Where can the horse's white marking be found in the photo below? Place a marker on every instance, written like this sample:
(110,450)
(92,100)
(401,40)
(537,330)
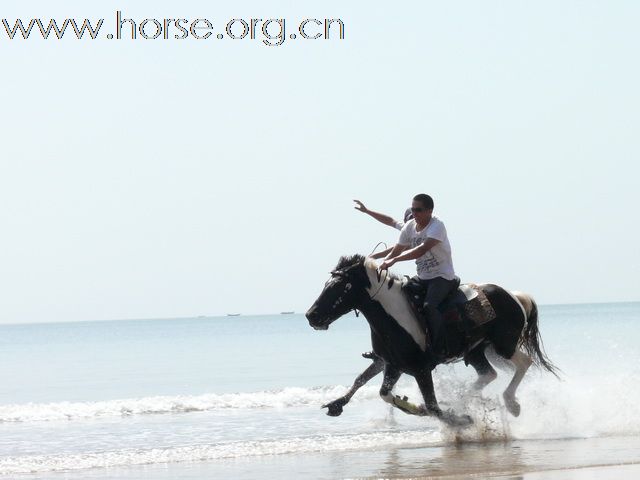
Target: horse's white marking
(517,300)
(522,362)
(394,303)
(524,312)
(526,303)
(485,379)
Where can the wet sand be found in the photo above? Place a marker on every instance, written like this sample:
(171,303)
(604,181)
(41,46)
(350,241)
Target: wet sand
(610,472)
(611,458)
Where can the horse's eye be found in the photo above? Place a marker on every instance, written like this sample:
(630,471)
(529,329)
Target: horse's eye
(347,287)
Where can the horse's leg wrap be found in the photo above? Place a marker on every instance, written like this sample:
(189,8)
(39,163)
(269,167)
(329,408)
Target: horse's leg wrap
(406,406)
(391,376)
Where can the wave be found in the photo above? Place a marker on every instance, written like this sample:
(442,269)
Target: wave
(192,453)
(551,410)
(599,404)
(284,398)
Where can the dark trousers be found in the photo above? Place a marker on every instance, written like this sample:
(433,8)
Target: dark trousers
(436,290)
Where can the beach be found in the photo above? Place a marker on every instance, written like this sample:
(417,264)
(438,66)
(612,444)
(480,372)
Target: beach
(583,459)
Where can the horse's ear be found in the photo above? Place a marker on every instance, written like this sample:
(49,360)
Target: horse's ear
(347,271)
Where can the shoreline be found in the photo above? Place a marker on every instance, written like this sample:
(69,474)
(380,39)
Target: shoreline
(592,458)
(610,471)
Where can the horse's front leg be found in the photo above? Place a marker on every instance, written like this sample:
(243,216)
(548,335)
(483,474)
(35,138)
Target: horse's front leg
(431,407)
(391,376)
(335,407)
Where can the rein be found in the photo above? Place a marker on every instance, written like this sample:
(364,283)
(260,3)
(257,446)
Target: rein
(379,276)
(377,245)
(378,273)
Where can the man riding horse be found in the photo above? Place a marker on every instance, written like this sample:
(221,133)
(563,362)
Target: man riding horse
(424,239)
(497,320)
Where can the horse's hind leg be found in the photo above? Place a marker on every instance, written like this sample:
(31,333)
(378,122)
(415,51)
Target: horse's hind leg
(486,373)
(522,362)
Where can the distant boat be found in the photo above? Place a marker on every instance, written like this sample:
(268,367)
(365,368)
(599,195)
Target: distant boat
(287,313)
(232,314)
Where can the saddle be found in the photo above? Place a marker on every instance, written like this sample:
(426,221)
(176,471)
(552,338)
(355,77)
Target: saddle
(464,311)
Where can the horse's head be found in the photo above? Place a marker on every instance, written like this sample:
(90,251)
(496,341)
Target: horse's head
(341,293)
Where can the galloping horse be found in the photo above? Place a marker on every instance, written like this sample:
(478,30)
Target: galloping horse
(400,343)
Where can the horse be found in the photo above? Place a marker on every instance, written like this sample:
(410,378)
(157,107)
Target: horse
(400,343)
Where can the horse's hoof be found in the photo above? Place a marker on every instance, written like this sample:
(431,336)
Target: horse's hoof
(454,420)
(513,407)
(465,420)
(334,409)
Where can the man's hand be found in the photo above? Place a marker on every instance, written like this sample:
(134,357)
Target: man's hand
(387,264)
(381,217)
(360,206)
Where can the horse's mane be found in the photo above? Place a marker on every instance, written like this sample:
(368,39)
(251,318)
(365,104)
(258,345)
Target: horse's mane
(349,261)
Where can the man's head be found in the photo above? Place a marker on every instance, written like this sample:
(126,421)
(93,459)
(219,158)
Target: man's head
(422,208)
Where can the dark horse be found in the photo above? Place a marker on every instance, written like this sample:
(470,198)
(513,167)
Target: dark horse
(400,343)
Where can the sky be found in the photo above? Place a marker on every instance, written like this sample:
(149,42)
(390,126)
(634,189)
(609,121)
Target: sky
(173,178)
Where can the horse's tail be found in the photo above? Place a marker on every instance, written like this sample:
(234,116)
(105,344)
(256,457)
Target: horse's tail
(532,342)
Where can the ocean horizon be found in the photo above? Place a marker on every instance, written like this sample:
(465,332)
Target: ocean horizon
(225,315)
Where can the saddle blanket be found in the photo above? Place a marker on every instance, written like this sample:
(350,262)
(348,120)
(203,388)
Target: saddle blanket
(468,305)
(479,310)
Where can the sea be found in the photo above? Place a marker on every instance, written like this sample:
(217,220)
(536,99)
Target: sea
(241,397)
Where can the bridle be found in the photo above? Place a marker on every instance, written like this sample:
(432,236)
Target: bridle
(379,276)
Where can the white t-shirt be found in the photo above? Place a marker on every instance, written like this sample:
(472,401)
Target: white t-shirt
(437,262)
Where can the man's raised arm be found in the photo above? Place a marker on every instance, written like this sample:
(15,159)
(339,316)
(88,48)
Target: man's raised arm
(381,217)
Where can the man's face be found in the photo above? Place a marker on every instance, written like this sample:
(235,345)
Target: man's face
(420,213)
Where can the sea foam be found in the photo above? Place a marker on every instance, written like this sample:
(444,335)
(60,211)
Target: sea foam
(191,453)
(284,398)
